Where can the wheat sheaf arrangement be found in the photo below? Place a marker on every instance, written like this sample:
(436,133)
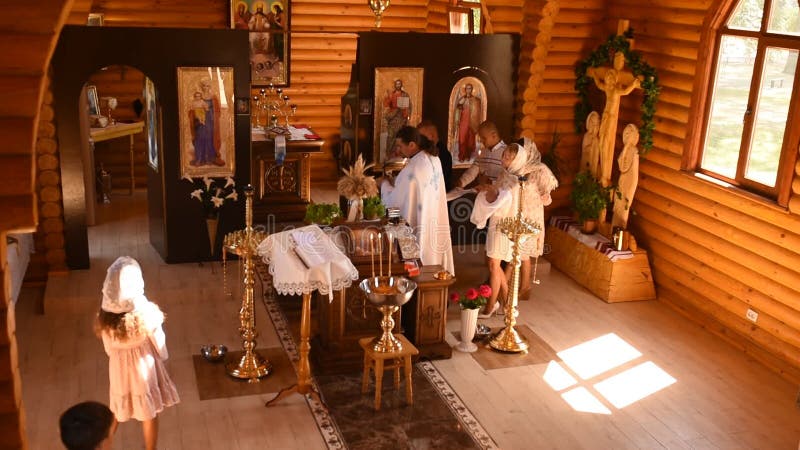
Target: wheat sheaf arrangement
(355,184)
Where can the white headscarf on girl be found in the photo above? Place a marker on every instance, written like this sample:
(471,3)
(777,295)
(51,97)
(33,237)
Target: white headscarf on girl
(525,161)
(123,289)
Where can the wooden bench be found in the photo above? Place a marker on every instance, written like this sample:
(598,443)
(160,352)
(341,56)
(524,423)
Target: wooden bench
(613,281)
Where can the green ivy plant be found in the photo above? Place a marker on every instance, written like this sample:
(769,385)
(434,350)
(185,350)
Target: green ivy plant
(373,208)
(322,213)
(603,55)
(589,197)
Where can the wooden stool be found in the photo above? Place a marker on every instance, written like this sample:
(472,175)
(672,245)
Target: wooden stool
(375,361)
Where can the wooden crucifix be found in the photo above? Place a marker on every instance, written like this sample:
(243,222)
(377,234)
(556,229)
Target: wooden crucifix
(615,82)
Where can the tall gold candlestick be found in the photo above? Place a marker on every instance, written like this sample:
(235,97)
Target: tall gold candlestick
(518,229)
(251,366)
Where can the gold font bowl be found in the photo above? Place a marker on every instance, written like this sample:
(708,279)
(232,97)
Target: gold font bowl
(388,291)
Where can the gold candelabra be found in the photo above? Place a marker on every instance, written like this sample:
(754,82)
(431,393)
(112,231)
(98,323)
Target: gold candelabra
(378,7)
(272,103)
(518,229)
(244,243)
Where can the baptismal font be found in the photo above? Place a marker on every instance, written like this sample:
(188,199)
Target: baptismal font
(251,366)
(518,229)
(388,293)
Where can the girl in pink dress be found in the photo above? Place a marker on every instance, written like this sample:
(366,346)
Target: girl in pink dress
(130,327)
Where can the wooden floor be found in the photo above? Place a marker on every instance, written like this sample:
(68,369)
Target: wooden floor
(637,374)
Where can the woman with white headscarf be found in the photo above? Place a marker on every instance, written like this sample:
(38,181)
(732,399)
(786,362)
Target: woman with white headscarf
(501,200)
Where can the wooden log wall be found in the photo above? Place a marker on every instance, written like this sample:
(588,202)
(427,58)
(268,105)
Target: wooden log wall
(556,34)
(30,31)
(79,12)
(714,252)
(437,16)
(50,256)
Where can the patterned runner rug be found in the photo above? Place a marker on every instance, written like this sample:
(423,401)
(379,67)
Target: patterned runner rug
(437,419)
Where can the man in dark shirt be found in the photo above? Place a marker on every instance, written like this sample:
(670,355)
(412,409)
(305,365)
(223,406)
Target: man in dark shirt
(428,129)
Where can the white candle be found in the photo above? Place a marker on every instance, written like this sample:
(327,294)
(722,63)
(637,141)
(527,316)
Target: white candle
(380,255)
(372,253)
(389,259)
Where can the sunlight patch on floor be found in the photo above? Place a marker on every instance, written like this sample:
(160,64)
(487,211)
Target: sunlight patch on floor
(582,400)
(557,377)
(634,384)
(589,361)
(599,355)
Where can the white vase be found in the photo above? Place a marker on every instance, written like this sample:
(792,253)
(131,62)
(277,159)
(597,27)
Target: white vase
(355,210)
(469,321)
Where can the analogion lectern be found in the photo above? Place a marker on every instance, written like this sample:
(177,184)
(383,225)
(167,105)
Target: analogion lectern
(302,261)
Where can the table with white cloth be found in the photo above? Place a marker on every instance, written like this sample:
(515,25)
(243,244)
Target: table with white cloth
(351,316)
(301,261)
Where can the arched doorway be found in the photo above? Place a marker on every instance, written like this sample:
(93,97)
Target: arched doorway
(173,226)
(119,121)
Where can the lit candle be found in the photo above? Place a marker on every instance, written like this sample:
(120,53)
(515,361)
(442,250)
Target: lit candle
(372,253)
(380,255)
(389,259)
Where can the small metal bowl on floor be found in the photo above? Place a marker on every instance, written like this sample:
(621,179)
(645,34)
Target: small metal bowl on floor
(482,332)
(213,353)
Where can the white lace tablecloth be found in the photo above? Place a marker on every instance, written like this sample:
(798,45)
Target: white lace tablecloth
(305,259)
(409,247)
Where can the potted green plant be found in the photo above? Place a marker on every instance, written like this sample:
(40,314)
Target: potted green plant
(589,199)
(373,208)
(322,213)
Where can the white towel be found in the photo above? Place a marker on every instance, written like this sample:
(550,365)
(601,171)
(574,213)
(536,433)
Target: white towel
(483,210)
(304,260)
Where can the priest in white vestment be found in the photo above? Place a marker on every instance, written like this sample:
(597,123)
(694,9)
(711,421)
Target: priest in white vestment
(418,191)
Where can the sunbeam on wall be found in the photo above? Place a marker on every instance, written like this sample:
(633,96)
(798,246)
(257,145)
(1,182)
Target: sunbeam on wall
(603,363)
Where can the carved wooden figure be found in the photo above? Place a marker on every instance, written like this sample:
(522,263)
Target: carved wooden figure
(590,148)
(628,162)
(615,83)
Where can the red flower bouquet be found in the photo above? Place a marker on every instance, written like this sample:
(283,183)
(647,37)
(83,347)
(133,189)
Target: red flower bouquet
(472,298)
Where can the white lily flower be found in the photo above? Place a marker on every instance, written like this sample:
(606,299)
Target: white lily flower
(208,182)
(229,182)
(217,201)
(233,195)
(198,194)
(187,178)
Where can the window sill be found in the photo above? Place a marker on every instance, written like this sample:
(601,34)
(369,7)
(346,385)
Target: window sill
(738,192)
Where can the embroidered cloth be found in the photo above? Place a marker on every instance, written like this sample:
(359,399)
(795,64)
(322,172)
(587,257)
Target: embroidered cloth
(597,241)
(305,259)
